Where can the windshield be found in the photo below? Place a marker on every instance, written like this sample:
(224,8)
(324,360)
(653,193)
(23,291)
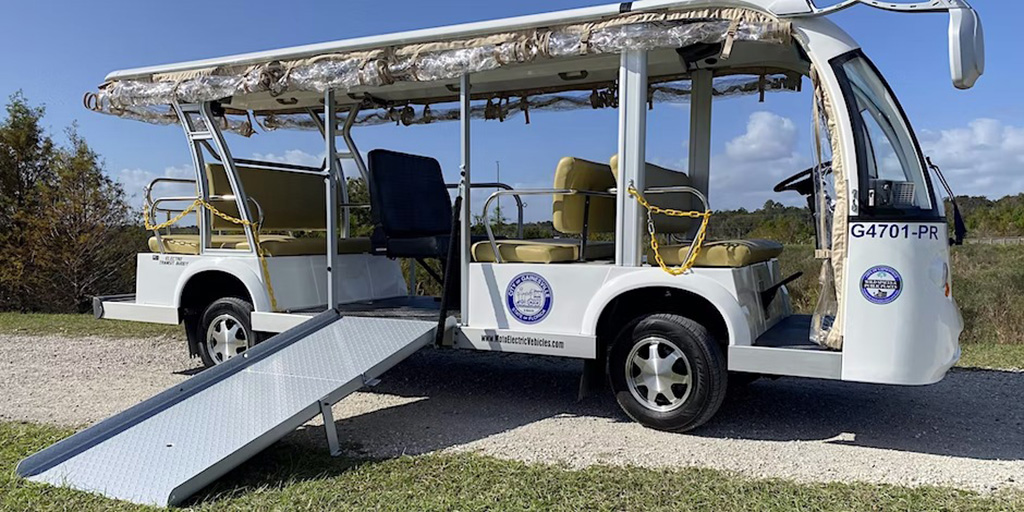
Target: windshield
(892,175)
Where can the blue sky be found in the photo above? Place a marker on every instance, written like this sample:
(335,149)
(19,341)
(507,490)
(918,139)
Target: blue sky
(55,52)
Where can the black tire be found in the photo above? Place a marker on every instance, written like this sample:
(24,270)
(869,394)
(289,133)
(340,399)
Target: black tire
(230,317)
(693,352)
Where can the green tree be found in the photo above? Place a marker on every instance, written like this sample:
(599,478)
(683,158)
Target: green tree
(85,235)
(25,153)
(66,231)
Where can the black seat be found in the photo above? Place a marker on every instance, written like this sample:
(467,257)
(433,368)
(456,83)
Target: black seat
(410,205)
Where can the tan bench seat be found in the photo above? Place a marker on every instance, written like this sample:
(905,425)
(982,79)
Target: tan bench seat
(541,251)
(570,212)
(273,245)
(308,246)
(189,244)
(724,254)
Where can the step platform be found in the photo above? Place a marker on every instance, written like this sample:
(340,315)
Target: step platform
(168,447)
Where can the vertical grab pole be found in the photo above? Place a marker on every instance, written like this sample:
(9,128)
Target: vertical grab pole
(353,152)
(230,171)
(700,129)
(331,196)
(632,155)
(203,221)
(464,186)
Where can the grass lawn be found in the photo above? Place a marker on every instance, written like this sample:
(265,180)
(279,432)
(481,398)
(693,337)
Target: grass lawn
(290,476)
(82,325)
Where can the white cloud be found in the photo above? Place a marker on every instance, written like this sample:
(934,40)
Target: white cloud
(754,162)
(769,137)
(984,158)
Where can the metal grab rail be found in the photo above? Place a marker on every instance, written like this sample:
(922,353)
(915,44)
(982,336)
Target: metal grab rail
(148,189)
(503,186)
(675,189)
(538,192)
(672,189)
(224,198)
(155,207)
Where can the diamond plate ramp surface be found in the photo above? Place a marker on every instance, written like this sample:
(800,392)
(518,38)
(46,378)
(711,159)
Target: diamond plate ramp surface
(165,449)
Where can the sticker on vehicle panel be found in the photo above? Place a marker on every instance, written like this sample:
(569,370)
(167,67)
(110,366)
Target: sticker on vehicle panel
(881,285)
(529,297)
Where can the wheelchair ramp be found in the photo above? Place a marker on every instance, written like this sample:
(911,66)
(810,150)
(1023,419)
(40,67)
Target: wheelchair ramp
(165,449)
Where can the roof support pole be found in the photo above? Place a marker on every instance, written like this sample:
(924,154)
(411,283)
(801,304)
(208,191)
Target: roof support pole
(346,223)
(331,181)
(195,139)
(632,156)
(699,166)
(464,191)
(209,130)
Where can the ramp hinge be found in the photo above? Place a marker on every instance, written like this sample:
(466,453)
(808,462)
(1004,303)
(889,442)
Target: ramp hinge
(370,382)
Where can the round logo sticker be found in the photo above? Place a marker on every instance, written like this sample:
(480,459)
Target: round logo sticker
(881,284)
(529,297)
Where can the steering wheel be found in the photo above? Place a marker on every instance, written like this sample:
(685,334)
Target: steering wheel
(801,182)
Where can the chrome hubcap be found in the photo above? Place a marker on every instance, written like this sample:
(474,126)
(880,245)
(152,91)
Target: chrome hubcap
(658,374)
(225,338)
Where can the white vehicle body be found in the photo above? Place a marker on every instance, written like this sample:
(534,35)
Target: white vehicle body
(912,340)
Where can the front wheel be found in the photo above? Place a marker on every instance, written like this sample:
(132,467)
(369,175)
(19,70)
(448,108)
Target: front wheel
(667,372)
(224,331)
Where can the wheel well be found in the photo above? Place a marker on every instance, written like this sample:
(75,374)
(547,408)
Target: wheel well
(200,291)
(659,299)
(205,287)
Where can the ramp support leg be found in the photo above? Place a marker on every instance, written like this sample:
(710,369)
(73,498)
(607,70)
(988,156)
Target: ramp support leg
(330,428)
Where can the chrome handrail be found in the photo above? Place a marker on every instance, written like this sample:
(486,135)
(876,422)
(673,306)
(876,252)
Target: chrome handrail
(503,186)
(224,198)
(148,189)
(529,192)
(675,189)
(154,207)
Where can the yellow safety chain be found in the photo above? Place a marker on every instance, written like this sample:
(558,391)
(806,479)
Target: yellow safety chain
(255,236)
(697,243)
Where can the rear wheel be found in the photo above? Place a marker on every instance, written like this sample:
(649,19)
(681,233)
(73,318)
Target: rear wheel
(224,331)
(667,372)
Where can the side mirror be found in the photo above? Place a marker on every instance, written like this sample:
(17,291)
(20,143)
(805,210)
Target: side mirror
(966,47)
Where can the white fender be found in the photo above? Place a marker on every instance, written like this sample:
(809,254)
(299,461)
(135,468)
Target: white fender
(233,266)
(727,305)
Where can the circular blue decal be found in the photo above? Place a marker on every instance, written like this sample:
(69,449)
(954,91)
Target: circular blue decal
(881,284)
(529,297)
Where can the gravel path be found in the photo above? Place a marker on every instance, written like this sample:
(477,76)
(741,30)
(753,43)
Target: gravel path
(967,431)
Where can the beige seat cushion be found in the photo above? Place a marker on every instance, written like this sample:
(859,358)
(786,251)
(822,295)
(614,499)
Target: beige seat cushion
(541,251)
(273,245)
(526,251)
(724,254)
(189,244)
(567,210)
(308,246)
(655,176)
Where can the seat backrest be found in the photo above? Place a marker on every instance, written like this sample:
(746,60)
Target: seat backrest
(289,201)
(408,197)
(655,176)
(567,210)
